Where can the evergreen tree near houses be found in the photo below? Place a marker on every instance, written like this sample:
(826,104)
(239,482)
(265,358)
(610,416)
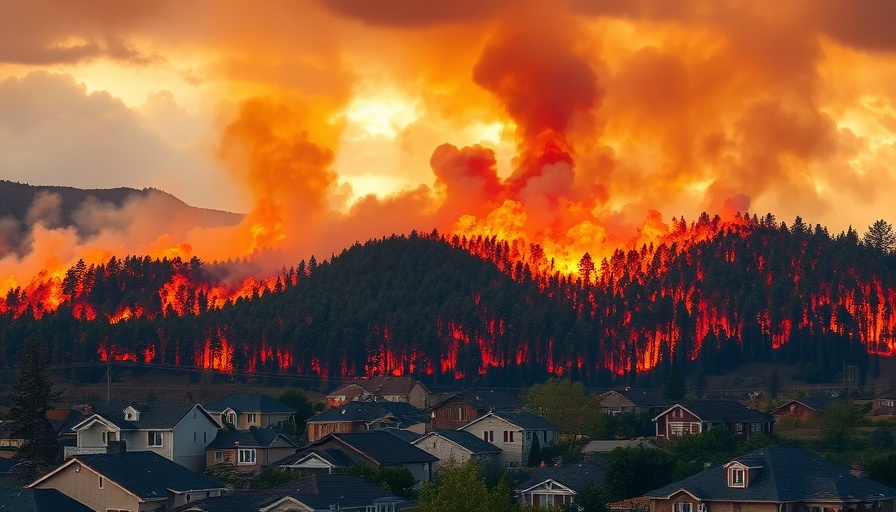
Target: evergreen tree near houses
(33,396)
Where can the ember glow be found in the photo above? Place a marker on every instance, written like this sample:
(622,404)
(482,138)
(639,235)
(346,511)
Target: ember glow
(563,128)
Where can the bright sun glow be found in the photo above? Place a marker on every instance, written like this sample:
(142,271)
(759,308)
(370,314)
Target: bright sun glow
(381,116)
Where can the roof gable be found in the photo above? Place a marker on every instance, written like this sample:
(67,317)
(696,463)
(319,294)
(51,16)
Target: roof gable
(573,477)
(788,475)
(463,440)
(523,420)
(720,411)
(147,475)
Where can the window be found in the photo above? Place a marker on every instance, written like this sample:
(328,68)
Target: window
(250,418)
(205,437)
(545,436)
(508,436)
(737,477)
(105,437)
(459,414)
(739,428)
(247,456)
(219,456)
(101,482)
(756,427)
(684,507)
(230,418)
(488,436)
(528,435)
(154,439)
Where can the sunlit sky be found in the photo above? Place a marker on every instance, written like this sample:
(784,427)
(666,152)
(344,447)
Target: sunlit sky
(562,123)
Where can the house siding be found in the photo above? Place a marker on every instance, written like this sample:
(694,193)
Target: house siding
(513,453)
(444,449)
(884,406)
(448,416)
(190,437)
(81,483)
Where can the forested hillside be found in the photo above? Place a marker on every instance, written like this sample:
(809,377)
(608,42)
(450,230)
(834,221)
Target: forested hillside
(707,297)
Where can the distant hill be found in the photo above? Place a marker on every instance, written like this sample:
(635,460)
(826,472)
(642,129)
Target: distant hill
(17,198)
(446,308)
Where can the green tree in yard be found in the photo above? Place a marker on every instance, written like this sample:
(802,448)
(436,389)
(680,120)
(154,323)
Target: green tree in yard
(633,471)
(837,423)
(33,396)
(461,488)
(882,469)
(398,480)
(296,399)
(568,405)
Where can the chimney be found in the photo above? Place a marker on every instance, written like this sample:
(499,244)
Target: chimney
(116,446)
(857,469)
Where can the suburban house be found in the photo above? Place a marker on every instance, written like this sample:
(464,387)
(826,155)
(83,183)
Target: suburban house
(249,450)
(633,401)
(178,432)
(885,403)
(244,410)
(456,445)
(456,410)
(359,416)
(514,432)
(802,407)
(773,479)
(550,486)
(371,447)
(61,421)
(382,388)
(134,481)
(341,492)
(39,500)
(701,415)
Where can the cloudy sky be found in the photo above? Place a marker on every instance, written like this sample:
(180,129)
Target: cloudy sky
(575,124)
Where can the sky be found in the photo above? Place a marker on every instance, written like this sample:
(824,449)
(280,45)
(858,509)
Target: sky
(579,125)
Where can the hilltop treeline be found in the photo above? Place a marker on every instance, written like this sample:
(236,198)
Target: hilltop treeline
(705,298)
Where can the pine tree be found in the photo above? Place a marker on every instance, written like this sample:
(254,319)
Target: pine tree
(34,393)
(880,237)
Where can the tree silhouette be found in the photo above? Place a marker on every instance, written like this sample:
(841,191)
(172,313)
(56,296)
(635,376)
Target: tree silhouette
(880,237)
(34,393)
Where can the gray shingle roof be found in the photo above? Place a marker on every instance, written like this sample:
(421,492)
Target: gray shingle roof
(787,474)
(523,419)
(575,476)
(255,437)
(159,415)
(642,398)
(249,402)
(146,474)
(725,411)
(404,413)
(318,492)
(485,399)
(466,440)
(38,500)
(382,448)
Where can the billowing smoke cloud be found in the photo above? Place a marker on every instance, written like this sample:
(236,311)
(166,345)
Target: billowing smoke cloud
(577,125)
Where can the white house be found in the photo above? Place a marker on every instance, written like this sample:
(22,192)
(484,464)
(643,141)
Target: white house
(514,432)
(178,432)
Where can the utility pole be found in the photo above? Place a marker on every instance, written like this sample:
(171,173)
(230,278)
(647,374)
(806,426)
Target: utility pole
(108,381)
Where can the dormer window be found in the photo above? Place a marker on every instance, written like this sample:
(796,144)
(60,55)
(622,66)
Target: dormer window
(737,477)
(740,474)
(131,414)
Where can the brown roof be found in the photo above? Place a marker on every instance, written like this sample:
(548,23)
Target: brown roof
(386,384)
